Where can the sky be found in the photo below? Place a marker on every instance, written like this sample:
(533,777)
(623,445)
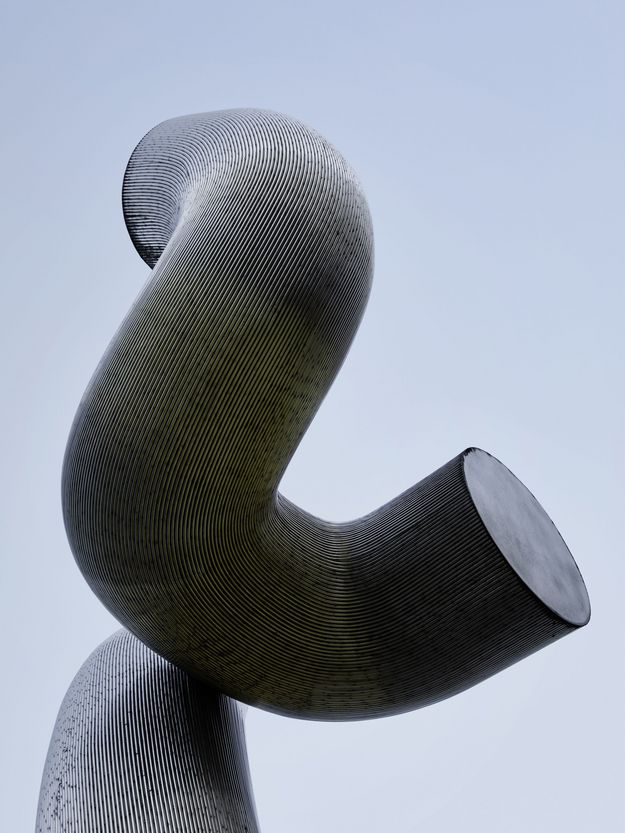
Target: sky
(489,140)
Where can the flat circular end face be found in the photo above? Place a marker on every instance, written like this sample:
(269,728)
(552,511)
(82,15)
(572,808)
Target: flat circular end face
(526,537)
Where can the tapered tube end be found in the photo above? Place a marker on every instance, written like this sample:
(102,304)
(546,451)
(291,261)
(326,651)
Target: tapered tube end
(526,537)
(140,746)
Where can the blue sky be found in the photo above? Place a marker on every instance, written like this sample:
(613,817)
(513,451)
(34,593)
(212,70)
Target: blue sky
(489,139)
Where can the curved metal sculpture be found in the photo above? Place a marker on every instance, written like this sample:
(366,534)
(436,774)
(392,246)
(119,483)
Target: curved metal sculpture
(261,243)
(138,746)
(262,248)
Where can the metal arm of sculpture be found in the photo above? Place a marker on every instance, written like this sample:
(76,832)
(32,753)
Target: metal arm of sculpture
(261,245)
(139,747)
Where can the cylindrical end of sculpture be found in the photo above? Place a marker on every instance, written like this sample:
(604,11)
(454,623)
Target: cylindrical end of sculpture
(526,537)
(468,576)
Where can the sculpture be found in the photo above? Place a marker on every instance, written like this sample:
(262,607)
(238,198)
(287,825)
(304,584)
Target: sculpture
(261,245)
(139,746)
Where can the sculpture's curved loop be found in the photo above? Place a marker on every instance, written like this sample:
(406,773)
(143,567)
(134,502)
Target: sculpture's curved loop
(261,243)
(139,746)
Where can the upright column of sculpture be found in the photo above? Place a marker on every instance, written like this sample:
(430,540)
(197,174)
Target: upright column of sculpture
(261,245)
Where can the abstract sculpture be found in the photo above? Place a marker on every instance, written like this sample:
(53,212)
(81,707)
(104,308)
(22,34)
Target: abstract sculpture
(261,245)
(139,746)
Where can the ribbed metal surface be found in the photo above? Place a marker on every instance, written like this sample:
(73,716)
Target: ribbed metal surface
(261,243)
(139,747)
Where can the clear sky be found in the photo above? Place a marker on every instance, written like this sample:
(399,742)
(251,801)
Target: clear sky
(489,138)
